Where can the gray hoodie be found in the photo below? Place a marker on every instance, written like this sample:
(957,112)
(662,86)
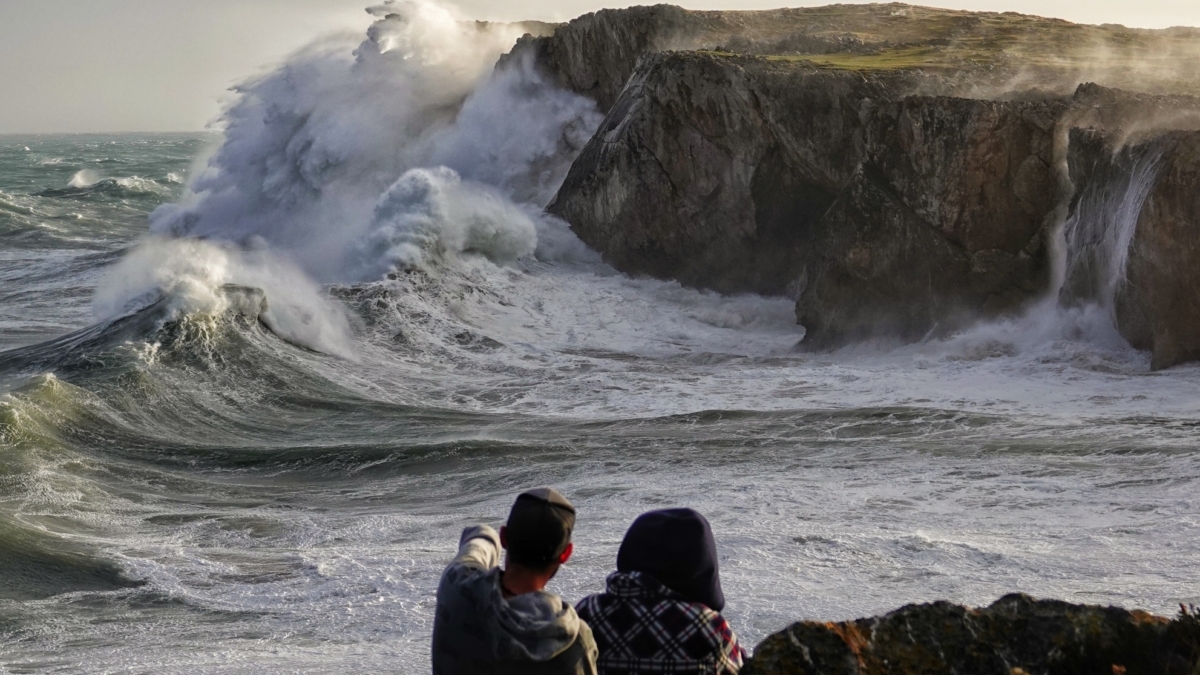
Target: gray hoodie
(477,632)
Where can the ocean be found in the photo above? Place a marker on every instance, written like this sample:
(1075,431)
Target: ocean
(254,382)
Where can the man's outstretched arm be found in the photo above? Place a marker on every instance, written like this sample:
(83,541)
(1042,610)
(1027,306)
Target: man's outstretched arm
(478,547)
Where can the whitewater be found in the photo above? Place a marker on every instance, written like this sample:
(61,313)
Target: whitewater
(254,382)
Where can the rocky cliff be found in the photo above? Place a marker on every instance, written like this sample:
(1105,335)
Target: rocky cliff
(881,164)
(885,214)
(1016,635)
(982,53)
(699,173)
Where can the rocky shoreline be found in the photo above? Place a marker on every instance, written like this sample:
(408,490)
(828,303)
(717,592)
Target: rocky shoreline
(1016,635)
(897,188)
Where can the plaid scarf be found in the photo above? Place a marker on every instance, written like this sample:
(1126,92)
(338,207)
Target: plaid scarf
(642,626)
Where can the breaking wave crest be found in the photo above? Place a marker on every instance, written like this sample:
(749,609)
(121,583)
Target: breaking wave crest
(87,184)
(352,162)
(192,277)
(356,161)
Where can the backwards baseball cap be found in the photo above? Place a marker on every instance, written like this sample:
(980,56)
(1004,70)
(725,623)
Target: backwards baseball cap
(539,527)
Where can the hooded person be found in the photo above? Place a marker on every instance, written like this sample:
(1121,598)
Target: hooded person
(661,610)
(493,621)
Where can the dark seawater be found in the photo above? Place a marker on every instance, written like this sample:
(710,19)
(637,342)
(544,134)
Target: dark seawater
(219,456)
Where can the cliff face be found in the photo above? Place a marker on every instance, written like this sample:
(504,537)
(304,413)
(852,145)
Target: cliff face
(1017,635)
(595,54)
(944,219)
(871,162)
(691,176)
(742,174)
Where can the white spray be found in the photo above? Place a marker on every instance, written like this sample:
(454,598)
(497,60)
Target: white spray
(350,161)
(1098,235)
(191,273)
(1089,259)
(310,148)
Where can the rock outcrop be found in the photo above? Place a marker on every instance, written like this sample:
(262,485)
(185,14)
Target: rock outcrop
(692,177)
(595,54)
(874,163)
(742,174)
(1016,635)
(945,218)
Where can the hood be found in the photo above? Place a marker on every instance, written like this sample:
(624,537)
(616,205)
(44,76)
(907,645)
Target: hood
(529,627)
(676,547)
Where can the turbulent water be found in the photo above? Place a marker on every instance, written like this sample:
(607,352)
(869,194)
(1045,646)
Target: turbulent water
(254,384)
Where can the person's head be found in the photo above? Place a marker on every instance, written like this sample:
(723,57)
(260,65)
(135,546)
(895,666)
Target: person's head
(537,536)
(676,547)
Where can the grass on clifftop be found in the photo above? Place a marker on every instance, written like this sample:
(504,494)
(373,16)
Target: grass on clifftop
(889,59)
(897,36)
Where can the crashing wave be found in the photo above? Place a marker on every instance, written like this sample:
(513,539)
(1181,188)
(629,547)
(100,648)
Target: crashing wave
(192,278)
(354,161)
(88,183)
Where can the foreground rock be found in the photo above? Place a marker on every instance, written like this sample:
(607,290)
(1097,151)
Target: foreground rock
(1017,635)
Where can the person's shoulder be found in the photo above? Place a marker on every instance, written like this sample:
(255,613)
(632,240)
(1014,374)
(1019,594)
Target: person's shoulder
(591,605)
(710,622)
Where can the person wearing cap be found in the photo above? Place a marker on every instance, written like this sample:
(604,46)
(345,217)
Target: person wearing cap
(493,621)
(661,610)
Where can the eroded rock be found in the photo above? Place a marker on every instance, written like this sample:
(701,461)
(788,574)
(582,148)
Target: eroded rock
(875,163)
(742,175)
(693,177)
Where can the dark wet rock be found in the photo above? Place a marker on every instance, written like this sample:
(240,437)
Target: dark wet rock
(595,54)
(1158,298)
(944,220)
(690,176)
(878,163)
(1017,635)
(879,269)
(746,175)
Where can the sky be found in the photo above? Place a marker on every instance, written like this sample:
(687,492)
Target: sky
(167,65)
